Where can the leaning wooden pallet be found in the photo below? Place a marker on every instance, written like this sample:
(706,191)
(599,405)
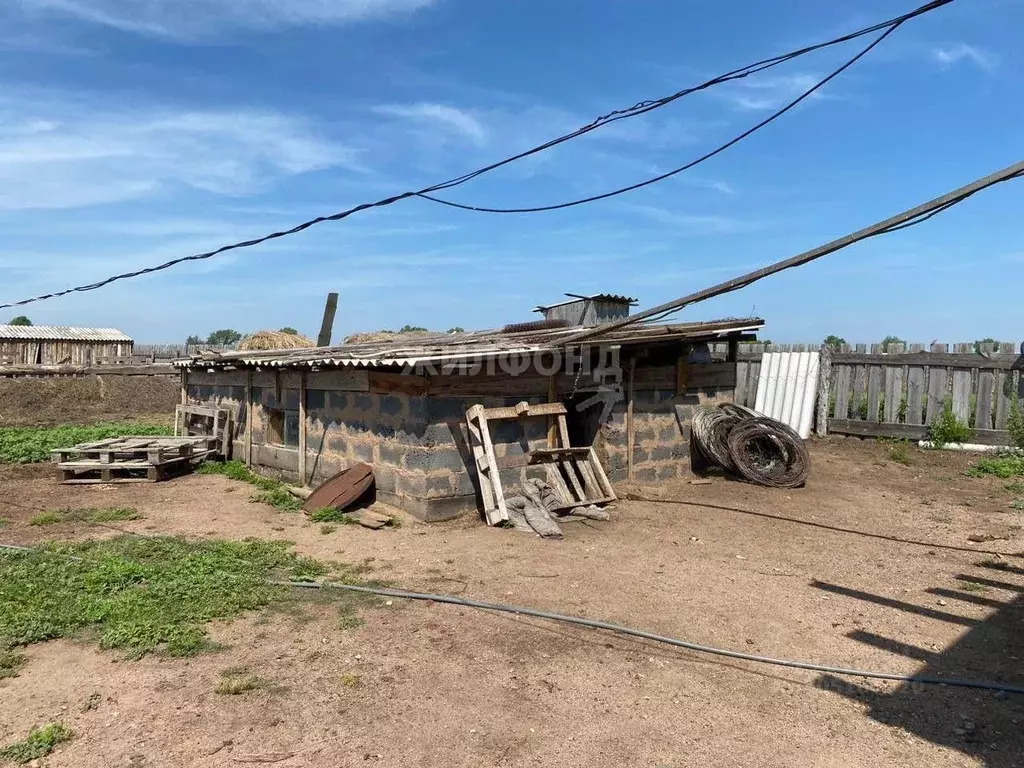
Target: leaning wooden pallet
(575,474)
(132,459)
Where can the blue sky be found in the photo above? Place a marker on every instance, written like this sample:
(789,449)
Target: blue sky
(134,131)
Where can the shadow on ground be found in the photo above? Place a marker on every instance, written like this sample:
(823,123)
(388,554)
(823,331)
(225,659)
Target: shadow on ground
(986,725)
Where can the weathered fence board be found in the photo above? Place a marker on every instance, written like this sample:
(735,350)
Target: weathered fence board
(983,408)
(915,395)
(842,409)
(962,395)
(893,392)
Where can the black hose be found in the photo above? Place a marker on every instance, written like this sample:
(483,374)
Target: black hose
(401,593)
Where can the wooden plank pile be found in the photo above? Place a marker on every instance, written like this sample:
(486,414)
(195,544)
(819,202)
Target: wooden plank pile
(575,474)
(132,459)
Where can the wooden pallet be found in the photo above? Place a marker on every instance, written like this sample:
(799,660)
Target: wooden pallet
(132,459)
(575,474)
(205,420)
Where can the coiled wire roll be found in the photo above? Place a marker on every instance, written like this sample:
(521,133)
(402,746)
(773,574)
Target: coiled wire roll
(759,449)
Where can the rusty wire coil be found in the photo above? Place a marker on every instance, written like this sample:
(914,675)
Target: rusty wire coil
(758,449)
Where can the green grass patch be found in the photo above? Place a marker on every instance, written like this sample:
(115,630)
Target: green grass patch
(278,498)
(1018,505)
(972,586)
(1015,487)
(947,428)
(1004,467)
(27,445)
(40,743)
(237,680)
(899,452)
(10,663)
(86,515)
(273,492)
(4,521)
(140,594)
(332,515)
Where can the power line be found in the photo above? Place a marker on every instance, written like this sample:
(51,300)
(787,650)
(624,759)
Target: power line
(636,110)
(675,171)
(895,223)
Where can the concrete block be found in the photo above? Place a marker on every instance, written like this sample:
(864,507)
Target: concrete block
(640,455)
(438,434)
(448,459)
(440,484)
(316,399)
(669,433)
(419,459)
(407,484)
(391,405)
(365,403)
(661,453)
(363,450)
(338,444)
(391,453)
(444,408)
(337,401)
(384,477)
(668,472)
(645,473)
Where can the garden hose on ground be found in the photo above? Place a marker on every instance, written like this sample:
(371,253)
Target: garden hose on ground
(401,593)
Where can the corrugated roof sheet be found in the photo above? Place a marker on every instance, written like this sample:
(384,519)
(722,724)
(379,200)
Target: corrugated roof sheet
(61,333)
(609,297)
(457,347)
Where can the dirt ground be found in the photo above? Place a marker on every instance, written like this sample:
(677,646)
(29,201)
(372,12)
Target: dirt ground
(87,400)
(859,569)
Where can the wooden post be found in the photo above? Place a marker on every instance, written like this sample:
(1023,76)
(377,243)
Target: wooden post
(302,427)
(552,421)
(248,417)
(734,351)
(327,325)
(824,389)
(630,430)
(184,386)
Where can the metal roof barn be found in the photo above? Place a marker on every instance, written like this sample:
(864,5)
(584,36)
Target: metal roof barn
(60,344)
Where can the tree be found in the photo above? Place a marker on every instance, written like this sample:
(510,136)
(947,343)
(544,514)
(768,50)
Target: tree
(225,337)
(979,342)
(835,343)
(411,329)
(289,330)
(457,329)
(193,341)
(889,341)
(20,320)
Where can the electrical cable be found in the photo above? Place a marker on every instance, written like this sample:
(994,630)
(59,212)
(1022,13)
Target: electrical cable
(593,624)
(675,171)
(640,108)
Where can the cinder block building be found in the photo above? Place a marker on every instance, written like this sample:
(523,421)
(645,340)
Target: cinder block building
(400,405)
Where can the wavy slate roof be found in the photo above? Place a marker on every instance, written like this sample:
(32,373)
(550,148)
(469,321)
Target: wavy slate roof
(61,333)
(456,347)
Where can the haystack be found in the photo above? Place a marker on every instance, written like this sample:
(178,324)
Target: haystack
(264,340)
(375,336)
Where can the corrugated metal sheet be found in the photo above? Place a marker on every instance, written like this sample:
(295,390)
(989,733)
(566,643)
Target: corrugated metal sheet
(787,388)
(61,333)
(466,347)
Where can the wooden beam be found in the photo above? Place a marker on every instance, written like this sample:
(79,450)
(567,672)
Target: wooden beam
(824,390)
(249,410)
(552,422)
(516,412)
(910,431)
(184,386)
(302,428)
(404,383)
(323,339)
(943,359)
(630,430)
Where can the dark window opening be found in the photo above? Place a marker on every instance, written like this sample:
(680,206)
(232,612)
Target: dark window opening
(583,418)
(283,427)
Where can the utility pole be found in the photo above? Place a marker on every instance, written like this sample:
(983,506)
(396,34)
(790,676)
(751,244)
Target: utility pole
(327,326)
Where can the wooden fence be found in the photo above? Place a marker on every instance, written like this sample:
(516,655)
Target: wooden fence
(899,393)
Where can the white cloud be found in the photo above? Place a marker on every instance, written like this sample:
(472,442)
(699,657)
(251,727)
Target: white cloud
(56,152)
(201,18)
(691,224)
(761,93)
(453,119)
(954,54)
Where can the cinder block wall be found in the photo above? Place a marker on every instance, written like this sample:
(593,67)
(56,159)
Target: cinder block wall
(661,446)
